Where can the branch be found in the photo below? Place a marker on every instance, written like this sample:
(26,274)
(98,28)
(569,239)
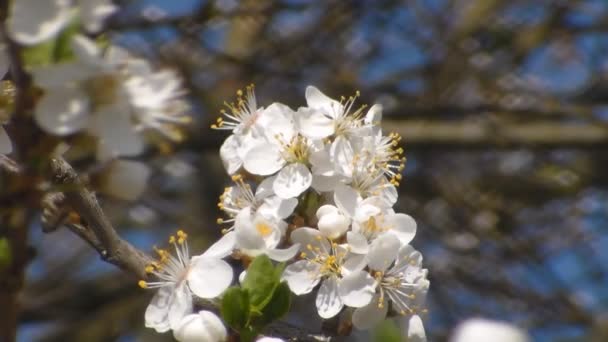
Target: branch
(102,235)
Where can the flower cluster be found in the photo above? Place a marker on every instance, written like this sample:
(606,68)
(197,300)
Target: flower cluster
(317,186)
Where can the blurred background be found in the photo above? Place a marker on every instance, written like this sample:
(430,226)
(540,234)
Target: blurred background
(503,109)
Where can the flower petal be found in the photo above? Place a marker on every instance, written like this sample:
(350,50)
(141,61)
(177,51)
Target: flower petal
(204,326)
(302,276)
(229,154)
(157,312)
(317,100)
(126,179)
(328,300)
(415,332)
(478,329)
(346,199)
(382,251)
(374,115)
(180,304)
(333,225)
(32,22)
(277,119)
(403,226)
(306,236)
(325,183)
(282,255)
(292,180)
(62,111)
(314,124)
(117,137)
(94,12)
(222,247)
(357,243)
(370,315)
(342,154)
(209,277)
(357,289)
(277,207)
(263,159)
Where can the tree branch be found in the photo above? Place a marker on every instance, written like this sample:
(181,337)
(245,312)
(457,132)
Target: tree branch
(102,234)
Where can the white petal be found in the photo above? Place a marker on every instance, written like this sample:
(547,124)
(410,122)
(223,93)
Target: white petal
(292,180)
(403,226)
(157,312)
(354,263)
(126,179)
(180,304)
(242,277)
(277,207)
(342,154)
(6,146)
(269,339)
(314,124)
(389,194)
(275,120)
(478,330)
(307,236)
(264,159)
(94,12)
(333,225)
(117,137)
(33,21)
(383,251)
(357,289)
(264,189)
(223,247)
(357,243)
(62,111)
(328,300)
(374,115)
(204,326)
(230,156)
(316,99)
(370,315)
(247,236)
(346,199)
(327,209)
(302,276)
(325,183)
(415,332)
(62,74)
(87,51)
(282,255)
(209,277)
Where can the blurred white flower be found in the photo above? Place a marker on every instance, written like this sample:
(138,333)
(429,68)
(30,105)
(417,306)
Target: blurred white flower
(32,22)
(112,95)
(203,326)
(178,277)
(125,179)
(481,330)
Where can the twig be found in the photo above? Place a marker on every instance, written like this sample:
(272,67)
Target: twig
(110,246)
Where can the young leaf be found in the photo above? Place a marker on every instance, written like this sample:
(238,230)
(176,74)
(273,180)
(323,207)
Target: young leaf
(261,281)
(387,331)
(235,308)
(277,307)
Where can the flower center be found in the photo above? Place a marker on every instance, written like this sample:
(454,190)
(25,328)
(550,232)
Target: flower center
(263,228)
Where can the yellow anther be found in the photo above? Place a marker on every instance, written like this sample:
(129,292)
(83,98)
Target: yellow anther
(219,221)
(149,269)
(142,284)
(303,255)
(171,239)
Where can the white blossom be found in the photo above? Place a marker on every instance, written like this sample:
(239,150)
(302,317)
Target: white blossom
(479,329)
(203,326)
(343,282)
(32,22)
(178,278)
(400,278)
(111,95)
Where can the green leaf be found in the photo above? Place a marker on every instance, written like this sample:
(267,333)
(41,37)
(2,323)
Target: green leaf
(55,50)
(235,308)
(6,255)
(261,280)
(387,331)
(277,307)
